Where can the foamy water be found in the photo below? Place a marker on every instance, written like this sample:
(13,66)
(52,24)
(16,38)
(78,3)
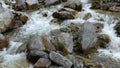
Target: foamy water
(37,24)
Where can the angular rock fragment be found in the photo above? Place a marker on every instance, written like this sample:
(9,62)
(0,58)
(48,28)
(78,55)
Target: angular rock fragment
(42,63)
(60,60)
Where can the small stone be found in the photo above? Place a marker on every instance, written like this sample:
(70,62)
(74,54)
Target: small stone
(117,28)
(42,63)
(24,19)
(20,5)
(60,60)
(4,42)
(87,16)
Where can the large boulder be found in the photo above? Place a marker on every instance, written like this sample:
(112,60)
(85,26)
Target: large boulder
(87,36)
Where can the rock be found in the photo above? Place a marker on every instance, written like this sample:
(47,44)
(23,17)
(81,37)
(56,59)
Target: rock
(34,55)
(60,60)
(117,28)
(103,40)
(87,16)
(42,63)
(63,42)
(32,4)
(4,42)
(95,5)
(51,2)
(65,14)
(114,9)
(20,5)
(23,18)
(78,63)
(7,1)
(74,4)
(41,43)
(98,27)
(6,17)
(1,8)
(87,36)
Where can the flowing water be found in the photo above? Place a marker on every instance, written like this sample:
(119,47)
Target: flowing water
(38,25)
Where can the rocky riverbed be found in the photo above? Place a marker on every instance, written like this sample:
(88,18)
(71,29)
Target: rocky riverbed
(59,34)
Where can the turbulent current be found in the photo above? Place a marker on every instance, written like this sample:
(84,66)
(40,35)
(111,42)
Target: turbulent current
(37,25)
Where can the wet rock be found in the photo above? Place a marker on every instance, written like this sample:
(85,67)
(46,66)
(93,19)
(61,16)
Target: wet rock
(60,60)
(4,42)
(32,4)
(117,28)
(51,2)
(87,36)
(63,42)
(87,16)
(95,5)
(20,5)
(65,14)
(74,4)
(114,9)
(103,40)
(98,27)
(42,63)
(34,55)
(23,18)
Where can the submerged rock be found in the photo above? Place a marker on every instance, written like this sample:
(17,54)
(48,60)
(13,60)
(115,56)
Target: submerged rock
(42,63)
(60,60)
(4,42)
(87,36)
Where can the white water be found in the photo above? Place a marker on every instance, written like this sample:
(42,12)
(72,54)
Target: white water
(37,24)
